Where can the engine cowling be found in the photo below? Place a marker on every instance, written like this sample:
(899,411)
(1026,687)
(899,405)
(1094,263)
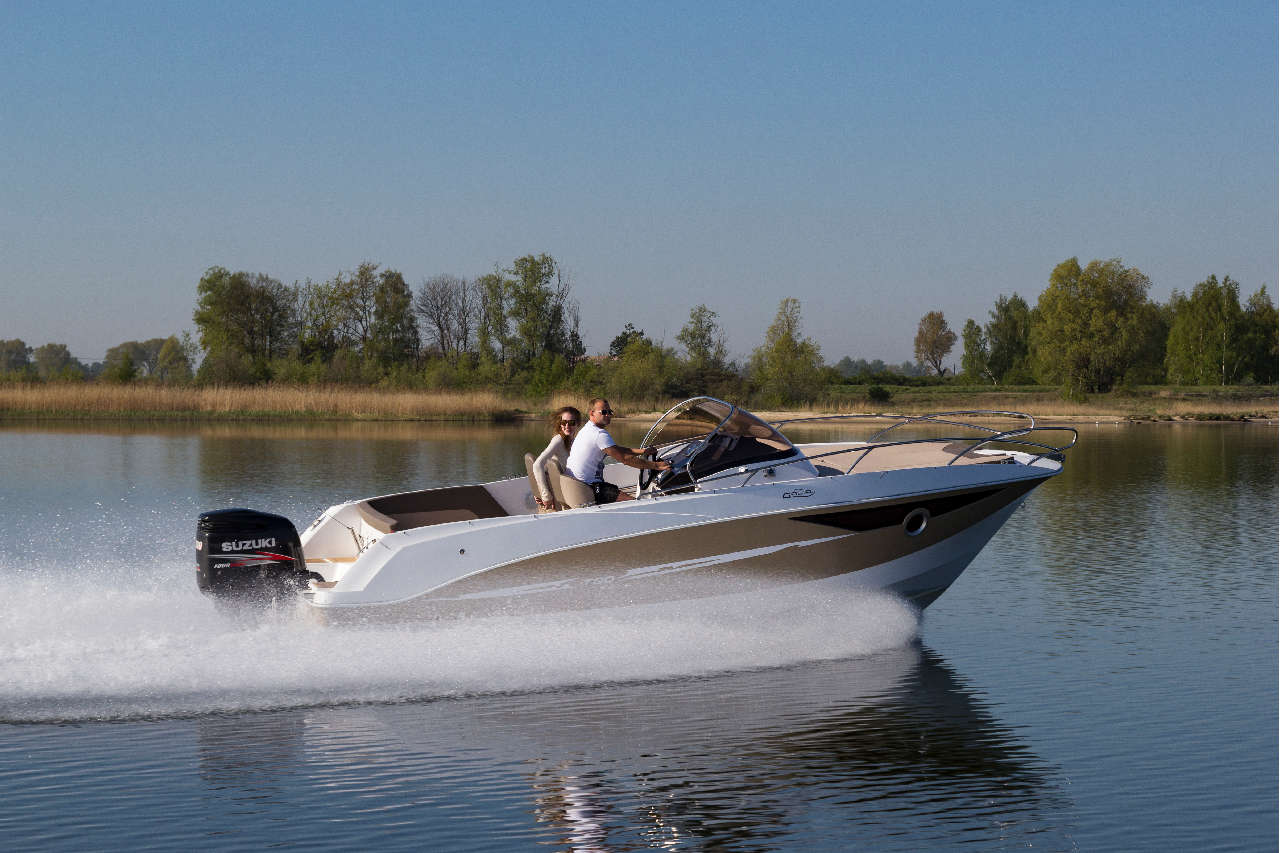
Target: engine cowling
(247,554)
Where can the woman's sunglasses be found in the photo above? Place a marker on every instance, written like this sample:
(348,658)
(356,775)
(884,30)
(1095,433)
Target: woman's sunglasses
(568,423)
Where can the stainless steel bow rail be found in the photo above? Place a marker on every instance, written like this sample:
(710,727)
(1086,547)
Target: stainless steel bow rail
(1009,436)
(1005,438)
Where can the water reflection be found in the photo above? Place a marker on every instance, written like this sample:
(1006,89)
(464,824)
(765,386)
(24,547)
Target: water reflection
(1121,630)
(1141,511)
(351,462)
(301,469)
(249,764)
(894,745)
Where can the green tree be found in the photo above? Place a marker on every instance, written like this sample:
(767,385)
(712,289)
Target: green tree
(1148,366)
(1260,321)
(1008,335)
(149,354)
(15,357)
(703,340)
(319,321)
(706,368)
(1206,343)
(355,303)
(143,355)
(122,369)
(860,368)
(173,366)
(1089,325)
(787,369)
(55,361)
(974,362)
(625,338)
(393,338)
(525,312)
(644,371)
(543,315)
(934,340)
(493,336)
(245,319)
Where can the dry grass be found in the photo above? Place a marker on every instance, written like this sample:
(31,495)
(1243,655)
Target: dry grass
(1153,403)
(101,401)
(97,401)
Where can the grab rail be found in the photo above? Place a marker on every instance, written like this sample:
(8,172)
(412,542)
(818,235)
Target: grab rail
(944,419)
(1013,436)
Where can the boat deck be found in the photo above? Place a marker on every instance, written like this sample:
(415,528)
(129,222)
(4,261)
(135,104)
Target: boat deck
(896,457)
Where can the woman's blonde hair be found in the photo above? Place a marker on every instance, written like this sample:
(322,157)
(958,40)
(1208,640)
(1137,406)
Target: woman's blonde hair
(560,413)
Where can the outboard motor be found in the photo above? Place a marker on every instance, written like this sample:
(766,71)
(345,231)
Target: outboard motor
(245,554)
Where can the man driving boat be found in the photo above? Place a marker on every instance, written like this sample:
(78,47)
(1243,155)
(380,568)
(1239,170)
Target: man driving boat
(593,443)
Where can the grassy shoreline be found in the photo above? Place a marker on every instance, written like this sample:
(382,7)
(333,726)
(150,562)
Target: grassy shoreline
(155,402)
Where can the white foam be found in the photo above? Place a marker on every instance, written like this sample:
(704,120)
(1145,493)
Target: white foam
(120,647)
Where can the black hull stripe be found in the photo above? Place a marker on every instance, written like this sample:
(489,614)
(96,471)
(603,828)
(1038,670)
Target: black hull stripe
(877,517)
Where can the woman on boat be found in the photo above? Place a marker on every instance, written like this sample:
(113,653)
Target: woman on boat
(565,423)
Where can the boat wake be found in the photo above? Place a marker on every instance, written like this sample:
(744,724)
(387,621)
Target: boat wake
(147,648)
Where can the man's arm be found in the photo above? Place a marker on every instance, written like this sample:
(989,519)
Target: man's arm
(635,458)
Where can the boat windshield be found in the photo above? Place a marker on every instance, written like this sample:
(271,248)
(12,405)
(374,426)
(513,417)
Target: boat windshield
(702,416)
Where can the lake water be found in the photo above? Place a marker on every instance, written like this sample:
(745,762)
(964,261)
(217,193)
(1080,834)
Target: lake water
(1103,677)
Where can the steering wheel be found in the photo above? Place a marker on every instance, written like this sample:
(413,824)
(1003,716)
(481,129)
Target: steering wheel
(646,479)
(651,477)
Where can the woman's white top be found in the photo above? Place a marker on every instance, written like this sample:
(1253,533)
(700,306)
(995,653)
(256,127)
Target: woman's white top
(557,449)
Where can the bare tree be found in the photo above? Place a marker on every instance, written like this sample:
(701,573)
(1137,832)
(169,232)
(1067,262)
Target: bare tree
(934,341)
(448,307)
(466,314)
(433,303)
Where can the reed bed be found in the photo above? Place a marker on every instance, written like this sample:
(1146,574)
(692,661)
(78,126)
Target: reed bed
(1048,405)
(140,401)
(155,401)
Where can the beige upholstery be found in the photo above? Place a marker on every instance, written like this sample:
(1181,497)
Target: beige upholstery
(533,485)
(408,520)
(373,518)
(894,457)
(394,513)
(570,493)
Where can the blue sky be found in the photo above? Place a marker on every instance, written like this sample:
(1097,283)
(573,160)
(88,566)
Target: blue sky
(875,161)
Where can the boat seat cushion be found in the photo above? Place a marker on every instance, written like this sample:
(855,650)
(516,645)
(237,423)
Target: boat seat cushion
(394,513)
(534,491)
(569,492)
(409,520)
(378,521)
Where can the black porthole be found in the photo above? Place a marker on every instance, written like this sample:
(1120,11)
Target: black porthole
(916,521)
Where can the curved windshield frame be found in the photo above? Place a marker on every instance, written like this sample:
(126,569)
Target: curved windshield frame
(701,417)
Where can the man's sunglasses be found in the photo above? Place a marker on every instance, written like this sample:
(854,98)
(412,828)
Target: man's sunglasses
(606,411)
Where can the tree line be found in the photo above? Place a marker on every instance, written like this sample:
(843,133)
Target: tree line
(166,360)
(1095,328)
(516,329)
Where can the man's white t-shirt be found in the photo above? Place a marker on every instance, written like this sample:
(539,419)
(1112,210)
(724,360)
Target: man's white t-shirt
(586,457)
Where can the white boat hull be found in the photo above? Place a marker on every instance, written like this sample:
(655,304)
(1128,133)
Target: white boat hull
(681,547)
(740,509)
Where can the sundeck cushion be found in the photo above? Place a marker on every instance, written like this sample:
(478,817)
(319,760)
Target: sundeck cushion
(375,519)
(394,513)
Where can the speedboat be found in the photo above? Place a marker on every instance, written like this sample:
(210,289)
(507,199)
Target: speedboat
(742,508)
